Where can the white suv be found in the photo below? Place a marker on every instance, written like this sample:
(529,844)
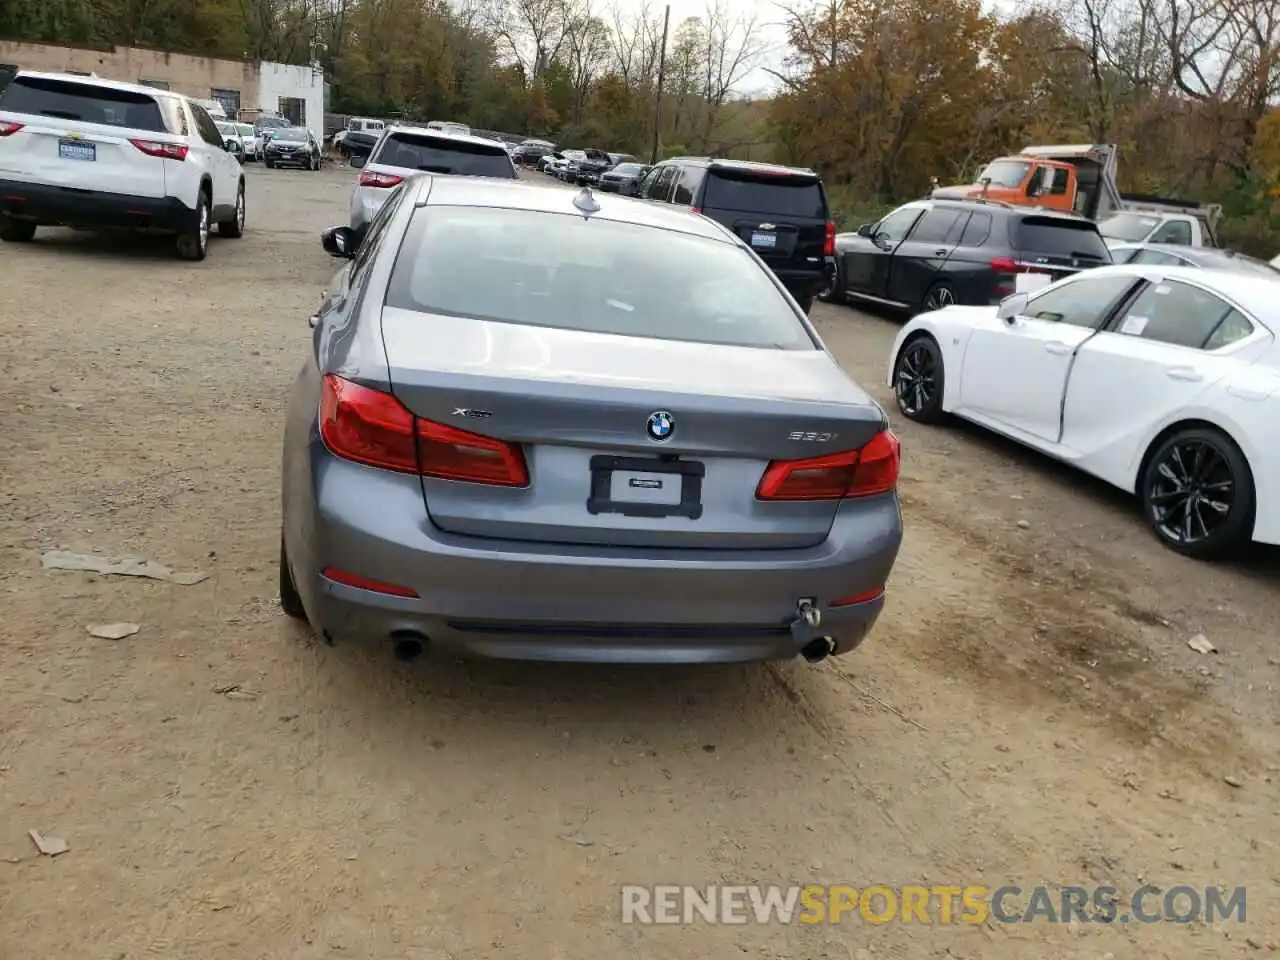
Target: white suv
(83,152)
(405,151)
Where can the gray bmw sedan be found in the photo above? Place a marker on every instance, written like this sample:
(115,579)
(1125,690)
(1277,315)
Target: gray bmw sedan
(552,425)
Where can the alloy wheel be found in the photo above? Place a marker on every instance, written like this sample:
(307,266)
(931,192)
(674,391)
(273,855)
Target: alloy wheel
(240,209)
(1191,492)
(916,384)
(204,225)
(938,298)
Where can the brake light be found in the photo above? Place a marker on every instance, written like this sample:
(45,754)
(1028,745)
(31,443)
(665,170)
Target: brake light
(1004,265)
(165,151)
(697,210)
(371,427)
(369,178)
(8,129)
(854,473)
(829,245)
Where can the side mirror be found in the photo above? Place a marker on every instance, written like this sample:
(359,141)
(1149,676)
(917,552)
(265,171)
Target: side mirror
(1012,307)
(339,242)
(866,229)
(357,161)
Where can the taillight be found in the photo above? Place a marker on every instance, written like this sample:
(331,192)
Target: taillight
(1004,265)
(695,210)
(370,179)
(453,454)
(165,151)
(829,246)
(371,427)
(855,473)
(7,129)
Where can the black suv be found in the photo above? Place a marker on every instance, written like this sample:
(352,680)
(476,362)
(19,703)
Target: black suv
(531,151)
(782,212)
(931,253)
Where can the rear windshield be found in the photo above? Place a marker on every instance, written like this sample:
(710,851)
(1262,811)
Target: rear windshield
(628,169)
(438,155)
(772,196)
(573,273)
(291,135)
(1059,237)
(86,102)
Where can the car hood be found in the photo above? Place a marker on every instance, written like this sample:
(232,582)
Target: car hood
(461,345)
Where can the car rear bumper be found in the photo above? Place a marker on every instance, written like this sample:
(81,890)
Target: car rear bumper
(289,160)
(63,206)
(805,282)
(527,601)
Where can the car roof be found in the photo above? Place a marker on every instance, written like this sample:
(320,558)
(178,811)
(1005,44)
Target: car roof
(394,128)
(101,82)
(1256,294)
(747,166)
(522,195)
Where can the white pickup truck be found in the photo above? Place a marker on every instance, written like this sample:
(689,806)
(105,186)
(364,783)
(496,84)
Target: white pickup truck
(1142,219)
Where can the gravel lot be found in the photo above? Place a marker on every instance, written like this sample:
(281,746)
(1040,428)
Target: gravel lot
(1027,711)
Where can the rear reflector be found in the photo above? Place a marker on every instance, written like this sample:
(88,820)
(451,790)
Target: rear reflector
(8,129)
(369,178)
(371,427)
(857,598)
(165,151)
(364,583)
(855,473)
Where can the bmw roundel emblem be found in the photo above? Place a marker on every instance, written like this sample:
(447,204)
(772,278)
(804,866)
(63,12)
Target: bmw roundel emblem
(660,425)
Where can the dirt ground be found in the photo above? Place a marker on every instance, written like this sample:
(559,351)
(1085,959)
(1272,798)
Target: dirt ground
(1027,711)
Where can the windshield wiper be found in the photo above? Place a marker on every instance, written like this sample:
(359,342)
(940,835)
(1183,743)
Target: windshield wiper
(1082,255)
(61,114)
(434,168)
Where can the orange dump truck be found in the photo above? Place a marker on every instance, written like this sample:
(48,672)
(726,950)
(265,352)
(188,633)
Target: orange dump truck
(1077,179)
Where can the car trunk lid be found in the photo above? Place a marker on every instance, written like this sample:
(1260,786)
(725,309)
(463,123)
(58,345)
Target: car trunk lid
(781,214)
(84,137)
(578,404)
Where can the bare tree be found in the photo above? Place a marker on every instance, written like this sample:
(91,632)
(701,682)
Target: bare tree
(731,48)
(636,40)
(587,47)
(533,32)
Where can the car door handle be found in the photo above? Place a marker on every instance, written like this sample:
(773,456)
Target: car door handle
(1058,347)
(1189,374)
(940,252)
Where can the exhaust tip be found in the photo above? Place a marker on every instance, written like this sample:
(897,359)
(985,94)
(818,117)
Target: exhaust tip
(818,650)
(408,646)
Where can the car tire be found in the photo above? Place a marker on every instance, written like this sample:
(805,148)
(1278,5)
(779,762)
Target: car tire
(270,164)
(234,228)
(806,303)
(1204,463)
(290,599)
(919,379)
(939,295)
(13,230)
(193,242)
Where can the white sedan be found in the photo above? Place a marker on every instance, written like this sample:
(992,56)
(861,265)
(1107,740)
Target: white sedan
(1164,381)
